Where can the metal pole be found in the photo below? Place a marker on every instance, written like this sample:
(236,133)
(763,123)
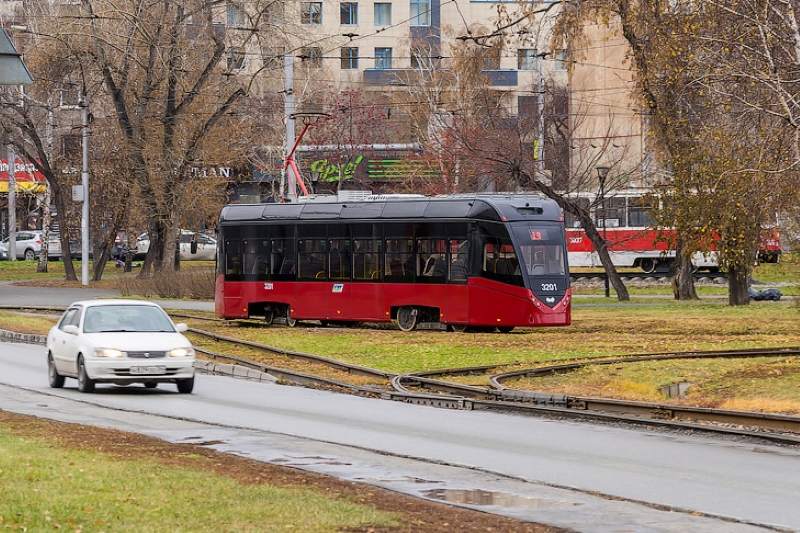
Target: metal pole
(605,243)
(540,89)
(12,204)
(288,103)
(85,186)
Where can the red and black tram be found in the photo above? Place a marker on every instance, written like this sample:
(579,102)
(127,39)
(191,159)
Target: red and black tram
(465,261)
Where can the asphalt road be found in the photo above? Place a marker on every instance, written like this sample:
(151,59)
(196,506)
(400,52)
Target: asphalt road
(591,478)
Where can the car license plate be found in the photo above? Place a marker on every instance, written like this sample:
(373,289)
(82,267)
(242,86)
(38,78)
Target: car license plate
(148,370)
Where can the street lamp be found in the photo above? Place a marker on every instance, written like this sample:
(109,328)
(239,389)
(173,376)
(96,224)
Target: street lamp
(602,174)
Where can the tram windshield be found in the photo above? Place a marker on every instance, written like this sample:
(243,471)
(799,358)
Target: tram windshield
(541,251)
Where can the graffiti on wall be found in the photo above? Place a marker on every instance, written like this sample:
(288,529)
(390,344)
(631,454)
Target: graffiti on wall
(333,172)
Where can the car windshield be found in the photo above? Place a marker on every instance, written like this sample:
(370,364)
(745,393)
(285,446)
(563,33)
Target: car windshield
(105,318)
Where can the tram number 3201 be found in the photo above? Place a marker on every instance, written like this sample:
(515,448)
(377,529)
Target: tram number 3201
(549,287)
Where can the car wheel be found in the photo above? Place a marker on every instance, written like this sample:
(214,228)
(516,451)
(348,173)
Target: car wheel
(56,379)
(185,386)
(150,384)
(30,255)
(85,383)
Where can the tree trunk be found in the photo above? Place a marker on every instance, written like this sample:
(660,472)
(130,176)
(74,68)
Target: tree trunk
(601,246)
(738,277)
(681,276)
(61,209)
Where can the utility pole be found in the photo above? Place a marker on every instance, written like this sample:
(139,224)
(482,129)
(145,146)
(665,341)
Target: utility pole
(85,185)
(12,204)
(540,154)
(288,113)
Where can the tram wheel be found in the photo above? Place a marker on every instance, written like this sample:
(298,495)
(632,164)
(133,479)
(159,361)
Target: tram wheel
(269,316)
(407,318)
(458,328)
(648,265)
(505,329)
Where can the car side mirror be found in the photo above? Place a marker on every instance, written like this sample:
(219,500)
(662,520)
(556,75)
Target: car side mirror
(72,329)
(194,245)
(180,327)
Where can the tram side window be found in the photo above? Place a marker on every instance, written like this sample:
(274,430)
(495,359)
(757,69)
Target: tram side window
(233,260)
(432,265)
(367,259)
(611,213)
(256,259)
(312,256)
(458,260)
(340,259)
(500,263)
(283,259)
(571,221)
(640,210)
(400,260)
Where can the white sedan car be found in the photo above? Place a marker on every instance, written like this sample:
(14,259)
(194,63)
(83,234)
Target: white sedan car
(194,246)
(121,342)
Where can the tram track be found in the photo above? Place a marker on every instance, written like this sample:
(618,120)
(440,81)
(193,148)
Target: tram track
(431,388)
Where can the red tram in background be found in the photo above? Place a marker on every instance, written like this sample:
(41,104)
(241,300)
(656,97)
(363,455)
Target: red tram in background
(463,261)
(626,224)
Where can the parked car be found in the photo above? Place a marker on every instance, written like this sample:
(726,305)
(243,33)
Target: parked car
(194,246)
(28,245)
(121,342)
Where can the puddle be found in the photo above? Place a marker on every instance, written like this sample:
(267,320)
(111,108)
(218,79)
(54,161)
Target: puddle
(308,460)
(501,499)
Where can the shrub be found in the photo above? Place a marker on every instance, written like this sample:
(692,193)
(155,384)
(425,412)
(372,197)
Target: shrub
(192,284)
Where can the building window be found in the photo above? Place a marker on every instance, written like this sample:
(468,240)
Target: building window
(312,57)
(349,13)
(561,61)
(383,58)
(273,57)
(311,13)
(491,58)
(420,13)
(235,58)
(275,13)
(527,59)
(383,14)
(349,58)
(236,15)
(70,145)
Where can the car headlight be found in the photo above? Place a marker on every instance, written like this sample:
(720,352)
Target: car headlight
(108,352)
(182,352)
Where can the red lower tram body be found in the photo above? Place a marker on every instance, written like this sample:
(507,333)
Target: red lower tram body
(479,303)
